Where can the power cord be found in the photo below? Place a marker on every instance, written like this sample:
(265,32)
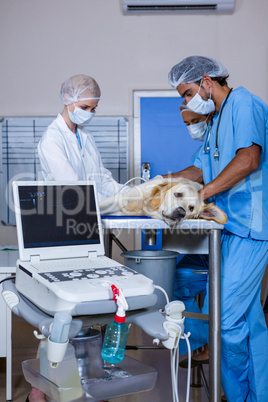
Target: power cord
(174,359)
(7,279)
(162,290)
(129,181)
(175,355)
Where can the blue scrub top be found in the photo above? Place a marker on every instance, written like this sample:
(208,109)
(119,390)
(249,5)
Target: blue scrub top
(195,154)
(244,121)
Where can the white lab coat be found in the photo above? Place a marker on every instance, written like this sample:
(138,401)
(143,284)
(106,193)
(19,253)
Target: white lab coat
(62,158)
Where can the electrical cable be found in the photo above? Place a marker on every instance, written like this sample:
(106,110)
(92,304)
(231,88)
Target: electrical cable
(7,279)
(172,377)
(162,290)
(189,365)
(174,357)
(129,181)
(174,365)
(174,360)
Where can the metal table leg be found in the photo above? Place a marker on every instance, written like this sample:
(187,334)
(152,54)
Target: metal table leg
(215,315)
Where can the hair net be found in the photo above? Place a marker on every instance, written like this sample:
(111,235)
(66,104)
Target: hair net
(193,68)
(78,88)
(184,108)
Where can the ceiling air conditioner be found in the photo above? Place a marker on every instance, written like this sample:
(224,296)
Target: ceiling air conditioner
(177,6)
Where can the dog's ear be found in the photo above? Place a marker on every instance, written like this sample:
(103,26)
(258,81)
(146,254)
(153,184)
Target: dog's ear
(212,212)
(158,194)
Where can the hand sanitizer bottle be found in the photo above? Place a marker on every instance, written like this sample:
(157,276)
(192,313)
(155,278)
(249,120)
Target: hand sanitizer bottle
(116,334)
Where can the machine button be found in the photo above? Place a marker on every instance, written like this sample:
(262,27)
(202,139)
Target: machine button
(75,274)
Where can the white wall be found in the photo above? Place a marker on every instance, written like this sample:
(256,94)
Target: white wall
(43,42)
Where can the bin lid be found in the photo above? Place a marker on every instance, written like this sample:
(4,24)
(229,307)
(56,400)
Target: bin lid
(150,254)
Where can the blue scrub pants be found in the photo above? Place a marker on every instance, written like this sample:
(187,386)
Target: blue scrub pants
(187,285)
(244,335)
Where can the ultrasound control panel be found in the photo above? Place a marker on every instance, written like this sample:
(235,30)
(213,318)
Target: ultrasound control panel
(89,273)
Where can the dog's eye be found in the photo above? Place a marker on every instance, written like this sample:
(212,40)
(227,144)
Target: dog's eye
(191,208)
(178,195)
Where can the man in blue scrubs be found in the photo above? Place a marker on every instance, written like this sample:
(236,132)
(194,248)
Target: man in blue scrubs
(191,273)
(234,169)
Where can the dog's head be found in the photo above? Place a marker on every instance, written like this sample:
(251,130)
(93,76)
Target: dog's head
(176,201)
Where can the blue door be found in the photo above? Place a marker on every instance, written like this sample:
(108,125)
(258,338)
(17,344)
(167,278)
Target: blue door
(165,142)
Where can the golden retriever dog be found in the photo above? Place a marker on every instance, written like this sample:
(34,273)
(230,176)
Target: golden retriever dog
(171,200)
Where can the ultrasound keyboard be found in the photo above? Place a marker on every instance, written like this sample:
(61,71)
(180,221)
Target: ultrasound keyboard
(89,273)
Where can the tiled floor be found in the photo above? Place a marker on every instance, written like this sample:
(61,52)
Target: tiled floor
(25,347)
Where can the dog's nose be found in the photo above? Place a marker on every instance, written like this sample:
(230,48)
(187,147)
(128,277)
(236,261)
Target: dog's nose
(178,214)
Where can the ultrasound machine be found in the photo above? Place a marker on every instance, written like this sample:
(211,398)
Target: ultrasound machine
(63,283)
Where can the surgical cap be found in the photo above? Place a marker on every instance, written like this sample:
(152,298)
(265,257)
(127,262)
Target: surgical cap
(79,88)
(184,108)
(193,68)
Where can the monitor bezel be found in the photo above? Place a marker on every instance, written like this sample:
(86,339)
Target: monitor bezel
(55,252)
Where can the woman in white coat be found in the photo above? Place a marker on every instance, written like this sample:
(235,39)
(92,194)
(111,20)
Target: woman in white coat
(67,150)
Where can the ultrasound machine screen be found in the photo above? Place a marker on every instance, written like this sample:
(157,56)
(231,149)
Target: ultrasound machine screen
(64,215)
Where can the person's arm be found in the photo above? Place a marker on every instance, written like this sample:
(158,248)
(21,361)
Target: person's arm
(106,184)
(109,186)
(191,173)
(246,161)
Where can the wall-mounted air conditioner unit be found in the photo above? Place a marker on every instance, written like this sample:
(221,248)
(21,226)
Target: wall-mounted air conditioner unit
(177,6)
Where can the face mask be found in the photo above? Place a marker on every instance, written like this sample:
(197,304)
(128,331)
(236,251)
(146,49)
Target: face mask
(198,131)
(199,105)
(80,117)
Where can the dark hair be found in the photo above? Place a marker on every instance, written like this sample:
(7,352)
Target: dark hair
(220,80)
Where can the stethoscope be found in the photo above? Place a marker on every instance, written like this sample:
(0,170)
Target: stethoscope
(206,143)
(207,138)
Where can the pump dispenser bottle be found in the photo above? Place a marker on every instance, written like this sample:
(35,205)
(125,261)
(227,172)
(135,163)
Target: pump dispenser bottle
(116,334)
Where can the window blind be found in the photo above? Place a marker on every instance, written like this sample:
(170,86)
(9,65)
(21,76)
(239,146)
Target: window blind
(19,157)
